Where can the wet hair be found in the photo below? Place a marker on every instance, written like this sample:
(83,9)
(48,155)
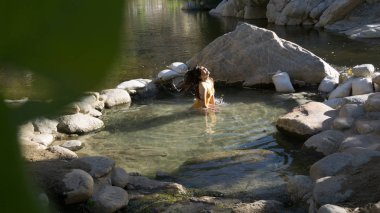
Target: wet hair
(192,79)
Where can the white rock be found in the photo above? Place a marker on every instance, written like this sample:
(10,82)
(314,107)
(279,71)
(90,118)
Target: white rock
(62,152)
(45,125)
(116,97)
(362,86)
(167,74)
(78,124)
(328,208)
(364,70)
(282,82)
(133,84)
(44,139)
(328,84)
(72,145)
(26,130)
(178,67)
(95,113)
(343,90)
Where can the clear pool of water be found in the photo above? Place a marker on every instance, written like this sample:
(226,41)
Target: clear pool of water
(237,142)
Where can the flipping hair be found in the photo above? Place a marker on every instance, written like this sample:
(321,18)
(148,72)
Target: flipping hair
(192,79)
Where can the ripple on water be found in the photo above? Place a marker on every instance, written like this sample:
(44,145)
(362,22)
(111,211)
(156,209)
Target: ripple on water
(166,135)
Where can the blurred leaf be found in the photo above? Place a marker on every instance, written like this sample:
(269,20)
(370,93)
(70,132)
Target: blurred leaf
(72,44)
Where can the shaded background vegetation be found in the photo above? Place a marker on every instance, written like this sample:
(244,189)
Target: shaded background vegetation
(70,44)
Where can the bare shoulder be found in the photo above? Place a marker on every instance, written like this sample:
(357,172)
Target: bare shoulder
(203,85)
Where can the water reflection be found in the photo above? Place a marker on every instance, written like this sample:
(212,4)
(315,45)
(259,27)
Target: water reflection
(159,33)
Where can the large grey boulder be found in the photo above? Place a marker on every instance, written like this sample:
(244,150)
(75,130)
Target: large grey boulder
(78,124)
(307,120)
(252,55)
(79,186)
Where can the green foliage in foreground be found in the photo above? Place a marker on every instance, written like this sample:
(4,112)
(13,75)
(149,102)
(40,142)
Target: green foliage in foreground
(71,43)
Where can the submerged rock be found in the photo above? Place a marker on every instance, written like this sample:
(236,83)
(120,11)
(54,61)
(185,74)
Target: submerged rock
(239,173)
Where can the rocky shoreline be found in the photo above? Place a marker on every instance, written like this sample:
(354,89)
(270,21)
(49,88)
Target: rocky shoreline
(353,18)
(344,129)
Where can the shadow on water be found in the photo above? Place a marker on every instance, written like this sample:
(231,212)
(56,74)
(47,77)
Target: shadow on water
(148,123)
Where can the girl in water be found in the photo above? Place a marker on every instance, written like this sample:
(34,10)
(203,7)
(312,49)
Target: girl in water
(199,79)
